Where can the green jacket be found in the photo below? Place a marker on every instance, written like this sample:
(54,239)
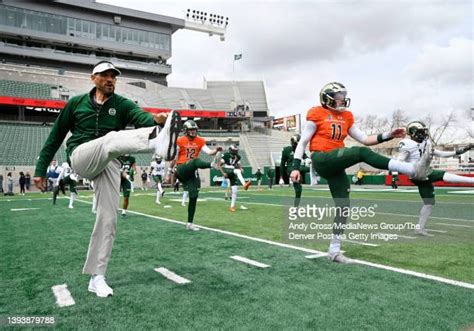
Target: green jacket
(287,156)
(88,121)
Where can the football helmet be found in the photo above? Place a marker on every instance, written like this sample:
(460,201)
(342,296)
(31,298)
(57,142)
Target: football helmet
(418,131)
(332,92)
(233,149)
(158,159)
(295,140)
(190,128)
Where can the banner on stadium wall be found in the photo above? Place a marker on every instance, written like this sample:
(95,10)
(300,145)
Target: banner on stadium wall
(59,104)
(288,123)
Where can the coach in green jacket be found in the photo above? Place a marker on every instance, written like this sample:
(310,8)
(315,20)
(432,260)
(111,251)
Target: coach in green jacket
(96,121)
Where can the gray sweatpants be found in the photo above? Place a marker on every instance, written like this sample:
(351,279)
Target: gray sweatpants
(96,160)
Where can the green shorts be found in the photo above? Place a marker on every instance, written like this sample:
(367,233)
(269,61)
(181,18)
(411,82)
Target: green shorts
(231,176)
(189,178)
(426,188)
(71,183)
(126,187)
(157,178)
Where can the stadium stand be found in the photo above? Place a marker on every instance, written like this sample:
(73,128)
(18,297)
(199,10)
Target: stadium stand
(21,144)
(28,90)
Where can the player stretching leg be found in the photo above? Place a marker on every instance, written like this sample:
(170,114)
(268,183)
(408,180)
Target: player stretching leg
(326,128)
(187,165)
(411,150)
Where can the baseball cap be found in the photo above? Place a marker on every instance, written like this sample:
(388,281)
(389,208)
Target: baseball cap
(104,66)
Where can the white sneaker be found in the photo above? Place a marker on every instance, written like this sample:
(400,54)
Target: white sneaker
(98,286)
(243,207)
(423,232)
(192,227)
(165,141)
(158,202)
(423,165)
(339,258)
(71,207)
(183,204)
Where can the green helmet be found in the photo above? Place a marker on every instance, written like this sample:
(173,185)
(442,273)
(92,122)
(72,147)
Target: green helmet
(295,140)
(188,126)
(332,91)
(418,131)
(233,149)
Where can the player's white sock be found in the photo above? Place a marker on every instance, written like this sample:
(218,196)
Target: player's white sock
(452,178)
(335,245)
(160,189)
(403,167)
(185,197)
(238,172)
(234,196)
(158,195)
(94,204)
(425,212)
(71,200)
(124,212)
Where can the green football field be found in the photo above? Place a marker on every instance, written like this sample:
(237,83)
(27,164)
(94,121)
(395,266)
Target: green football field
(408,282)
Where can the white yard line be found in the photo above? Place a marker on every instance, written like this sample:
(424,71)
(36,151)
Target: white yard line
(438,231)
(249,261)
(360,243)
(23,209)
(172,276)
(63,296)
(375,265)
(456,225)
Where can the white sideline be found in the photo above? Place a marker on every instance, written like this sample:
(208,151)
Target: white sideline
(23,209)
(375,265)
(172,276)
(249,261)
(63,296)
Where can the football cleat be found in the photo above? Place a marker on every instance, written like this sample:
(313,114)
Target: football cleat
(339,258)
(191,227)
(232,209)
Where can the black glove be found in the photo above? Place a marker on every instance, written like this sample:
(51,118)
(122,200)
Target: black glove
(464,149)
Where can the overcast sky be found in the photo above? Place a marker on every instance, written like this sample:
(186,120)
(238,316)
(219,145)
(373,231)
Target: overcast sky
(411,55)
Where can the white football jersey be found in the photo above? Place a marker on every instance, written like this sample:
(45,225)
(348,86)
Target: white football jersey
(410,150)
(157,169)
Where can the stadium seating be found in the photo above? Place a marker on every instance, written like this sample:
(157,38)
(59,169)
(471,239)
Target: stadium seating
(21,144)
(27,89)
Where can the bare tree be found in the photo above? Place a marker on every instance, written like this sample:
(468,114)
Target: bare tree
(398,119)
(373,124)
(468,120)
(438,132)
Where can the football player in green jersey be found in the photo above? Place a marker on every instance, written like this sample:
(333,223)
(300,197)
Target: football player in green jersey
(126,179)
(286,166)
(231,168)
